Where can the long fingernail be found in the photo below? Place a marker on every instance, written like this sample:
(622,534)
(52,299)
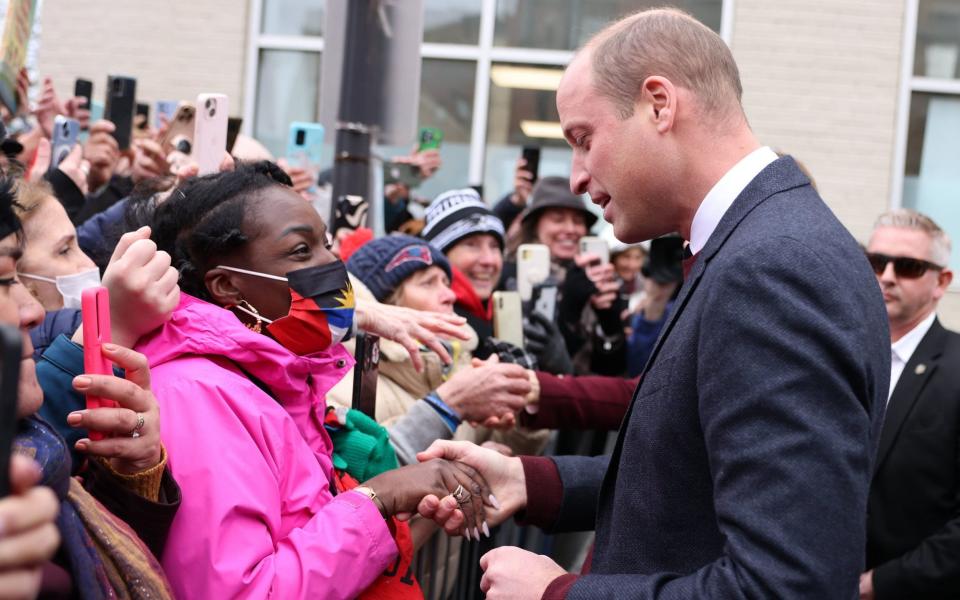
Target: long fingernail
(494,502)
(82,445)
(74,418)
(82,381)
(476,534)
(486,529)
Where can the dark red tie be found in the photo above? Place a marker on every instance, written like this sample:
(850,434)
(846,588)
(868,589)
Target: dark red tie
(689,259)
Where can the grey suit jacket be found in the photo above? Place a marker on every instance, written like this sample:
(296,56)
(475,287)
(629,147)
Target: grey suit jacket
(744,461)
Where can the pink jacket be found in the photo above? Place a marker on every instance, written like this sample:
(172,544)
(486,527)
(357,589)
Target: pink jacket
(257,518)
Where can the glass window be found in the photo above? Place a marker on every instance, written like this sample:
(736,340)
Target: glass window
(567,25)
(287,85)
(938,40)
(451,21)
(446,102)
(293,17)
(523,112)
(932,181)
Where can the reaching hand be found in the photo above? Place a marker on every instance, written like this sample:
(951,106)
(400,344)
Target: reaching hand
(135,424)
(515,574)
(48,107)
(490,390)
(143,287)
(30,535)
(410,328)
(504,474)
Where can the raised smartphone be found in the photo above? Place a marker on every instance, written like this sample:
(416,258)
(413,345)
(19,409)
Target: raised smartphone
(430,139)
(141,119)
(163,112)
(533,267)
(210,132)
(544,299)
(405,173)
(84,89)
(531,154)
(65,134)
(233,130)
(593,245)
(365,373)
(179,133)
(119,107)
(11,353)
(508,318)
(95,308)
(304,144)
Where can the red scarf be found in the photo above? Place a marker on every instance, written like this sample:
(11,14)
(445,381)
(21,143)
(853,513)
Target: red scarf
(467,297)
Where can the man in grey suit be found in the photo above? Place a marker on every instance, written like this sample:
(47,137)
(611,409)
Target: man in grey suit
(743,464)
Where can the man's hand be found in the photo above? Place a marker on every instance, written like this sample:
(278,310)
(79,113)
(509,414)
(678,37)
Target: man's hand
(487,391)
(143,287)
(30,535)
(504,475)
(103,153)
(410,328)
(514,574)
(866,586)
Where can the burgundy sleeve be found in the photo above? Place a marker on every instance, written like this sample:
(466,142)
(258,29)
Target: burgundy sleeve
(544,492)
(580,402)
(560,587)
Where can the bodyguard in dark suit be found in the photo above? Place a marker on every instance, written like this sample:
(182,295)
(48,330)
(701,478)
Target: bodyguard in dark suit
(913,514)
(743,464)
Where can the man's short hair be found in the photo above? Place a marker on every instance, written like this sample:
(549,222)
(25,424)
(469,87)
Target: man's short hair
(911,219)
(669,43)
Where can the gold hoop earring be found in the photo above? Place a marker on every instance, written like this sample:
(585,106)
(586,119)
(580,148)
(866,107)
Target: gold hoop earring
(253,312)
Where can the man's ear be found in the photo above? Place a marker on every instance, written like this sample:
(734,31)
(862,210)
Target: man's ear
(659,96)
(219,283)
(944,279)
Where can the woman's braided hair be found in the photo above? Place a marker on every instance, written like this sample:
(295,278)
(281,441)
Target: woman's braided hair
(202,220)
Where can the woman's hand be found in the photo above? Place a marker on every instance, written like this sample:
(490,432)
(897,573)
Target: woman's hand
(522,183)
(149,161)
(460,490)
(410,328)
(103,153)
(134,425)
(30,535)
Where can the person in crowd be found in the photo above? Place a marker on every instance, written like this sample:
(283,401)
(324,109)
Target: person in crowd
(913,512)
(397,215)
(101,554)
(249,353)
(662,276)
(508,208)
(440,402)
(746,456)
(627,261)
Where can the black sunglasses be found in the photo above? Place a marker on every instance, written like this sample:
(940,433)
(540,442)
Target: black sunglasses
(903,266)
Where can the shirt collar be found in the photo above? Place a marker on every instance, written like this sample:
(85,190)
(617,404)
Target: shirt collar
(907,345)
(724,192)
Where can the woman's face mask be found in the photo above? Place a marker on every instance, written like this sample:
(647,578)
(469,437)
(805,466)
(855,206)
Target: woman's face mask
(321,308)
(70,286)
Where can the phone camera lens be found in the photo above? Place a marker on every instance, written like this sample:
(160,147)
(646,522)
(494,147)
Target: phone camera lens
(66,129)
(301,137)
(184,146)
(208,103)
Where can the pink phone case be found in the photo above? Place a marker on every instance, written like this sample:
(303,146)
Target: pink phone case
(95,304)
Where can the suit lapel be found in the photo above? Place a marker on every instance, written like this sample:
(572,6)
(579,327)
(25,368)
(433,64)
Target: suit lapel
(915,376)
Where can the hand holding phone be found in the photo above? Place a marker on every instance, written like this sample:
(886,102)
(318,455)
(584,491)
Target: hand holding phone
(120,106)
(533,267)
(95,306)
(597,246)
(531,157)
(508,318)
(210,132)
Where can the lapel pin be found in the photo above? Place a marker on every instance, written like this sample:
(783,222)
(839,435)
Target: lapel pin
(921,369)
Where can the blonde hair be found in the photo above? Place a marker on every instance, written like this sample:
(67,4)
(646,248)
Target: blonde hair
(669,43)
(30,197)
(910,219)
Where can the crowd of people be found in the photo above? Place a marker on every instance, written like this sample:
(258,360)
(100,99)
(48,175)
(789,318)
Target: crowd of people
(745,354)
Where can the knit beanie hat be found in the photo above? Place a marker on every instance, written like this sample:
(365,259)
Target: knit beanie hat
(384,263)
(455,214)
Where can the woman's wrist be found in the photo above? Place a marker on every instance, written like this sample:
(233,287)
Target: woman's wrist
(368,492)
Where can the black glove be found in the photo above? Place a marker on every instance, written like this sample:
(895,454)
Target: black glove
(545,341)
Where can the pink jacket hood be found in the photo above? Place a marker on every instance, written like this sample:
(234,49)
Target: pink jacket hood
(257,518)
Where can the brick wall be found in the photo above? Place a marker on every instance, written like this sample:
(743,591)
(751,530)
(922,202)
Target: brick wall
(176,49)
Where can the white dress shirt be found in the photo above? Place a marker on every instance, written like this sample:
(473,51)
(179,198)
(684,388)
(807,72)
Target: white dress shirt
(724,192)
(903,349)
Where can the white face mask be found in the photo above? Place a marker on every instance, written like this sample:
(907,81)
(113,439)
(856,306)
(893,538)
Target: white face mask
(71,286)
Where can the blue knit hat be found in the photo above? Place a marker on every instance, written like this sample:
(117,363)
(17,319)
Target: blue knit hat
(384,263)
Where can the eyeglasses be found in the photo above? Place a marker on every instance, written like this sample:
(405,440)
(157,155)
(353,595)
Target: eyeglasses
(903,266)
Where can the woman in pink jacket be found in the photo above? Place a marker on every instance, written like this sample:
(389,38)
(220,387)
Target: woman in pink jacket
(240,372)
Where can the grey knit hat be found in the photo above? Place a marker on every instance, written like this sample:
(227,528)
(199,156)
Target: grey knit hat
(554,192)
(455,214)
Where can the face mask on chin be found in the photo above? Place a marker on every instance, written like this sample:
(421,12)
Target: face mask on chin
(71,286)
(321,308)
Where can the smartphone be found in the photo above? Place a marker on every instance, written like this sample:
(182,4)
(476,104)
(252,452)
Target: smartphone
(119,107)
(594,245)
(141,119)
(84,89)
(95,309)
(179,134)
(11,352)
(233,130)
(365,373)
(430,138)
(508,318)
(407,174)
(531,154)
(210,132)
(65,134)
(544,300)
(533,267)
(304,144)
(163,112)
